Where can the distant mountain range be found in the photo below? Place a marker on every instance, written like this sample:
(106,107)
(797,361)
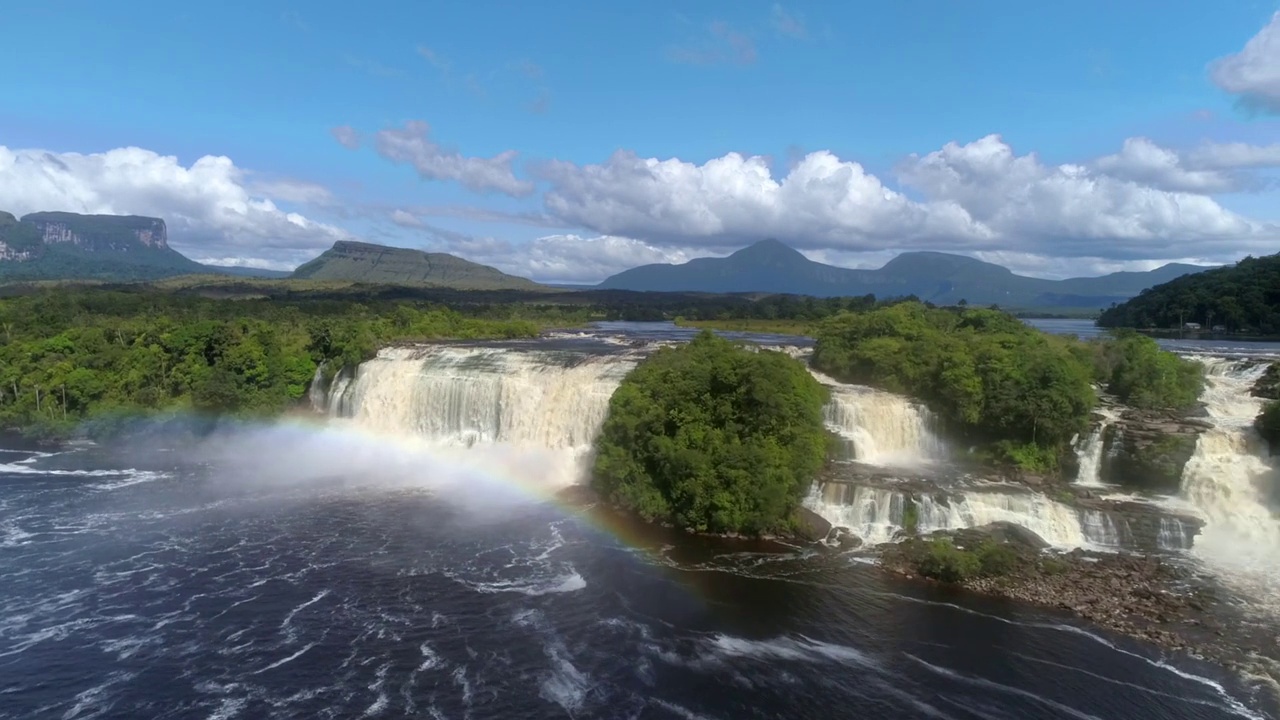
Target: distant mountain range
(62,246)
(368,263)
(770,266)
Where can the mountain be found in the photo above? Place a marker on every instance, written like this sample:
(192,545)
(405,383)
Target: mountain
(368,263)
(1244,297)
(773,267)
(59,245)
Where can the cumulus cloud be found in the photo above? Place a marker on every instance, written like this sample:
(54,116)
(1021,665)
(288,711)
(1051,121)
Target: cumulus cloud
(822,202)
(1253,73)
(413,145)
(1142,161)
(970,197)
(1070,210)
(1217,156)
(211,211)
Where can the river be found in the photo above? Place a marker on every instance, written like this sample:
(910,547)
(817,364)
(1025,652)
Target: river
(407,558)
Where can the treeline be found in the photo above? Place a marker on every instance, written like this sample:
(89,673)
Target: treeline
(994,381)
(71,356)
(1243,298)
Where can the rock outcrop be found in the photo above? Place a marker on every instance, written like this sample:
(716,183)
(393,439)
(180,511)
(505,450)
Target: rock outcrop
(1148,450)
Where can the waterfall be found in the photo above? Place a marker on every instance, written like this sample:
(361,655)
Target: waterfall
(1174,535)
(1105,530)
(466,396)
(1089,452)
(1226,476)
(550,404)
(1057,523)
(318,393)
(881,428)
(873,514)
(877,514)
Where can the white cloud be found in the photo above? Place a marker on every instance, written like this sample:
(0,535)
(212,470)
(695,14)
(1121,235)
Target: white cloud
(821,202)
(568,258)
(1254,72)
(406,219)
(209,207)
(1070,210)
(347,136)
(1142,161)
(977,196)
(412,145)
(1235,155)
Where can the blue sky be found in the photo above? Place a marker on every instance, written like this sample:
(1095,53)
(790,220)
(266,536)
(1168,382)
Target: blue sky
(568,140)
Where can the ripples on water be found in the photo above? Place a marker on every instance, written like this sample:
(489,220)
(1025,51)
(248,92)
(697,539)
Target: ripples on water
(170,592)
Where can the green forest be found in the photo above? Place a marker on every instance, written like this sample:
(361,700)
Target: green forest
(67,356)
(1242,298)
(713,437)
(995,382)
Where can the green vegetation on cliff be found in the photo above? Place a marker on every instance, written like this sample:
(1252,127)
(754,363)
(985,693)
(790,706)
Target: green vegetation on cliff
(713,437)
(69,356)
(991,378)
(996,382)
(1242,298)
(1140,374)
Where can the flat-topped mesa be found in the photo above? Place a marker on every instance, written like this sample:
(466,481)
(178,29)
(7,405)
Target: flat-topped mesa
(99,233)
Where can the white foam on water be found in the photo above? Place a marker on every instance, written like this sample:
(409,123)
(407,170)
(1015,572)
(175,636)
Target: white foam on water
(1225,482)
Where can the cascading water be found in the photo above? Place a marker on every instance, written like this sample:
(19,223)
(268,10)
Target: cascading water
(468,396)
(881,428)
(1225,478)
(877,514)
(1089,452)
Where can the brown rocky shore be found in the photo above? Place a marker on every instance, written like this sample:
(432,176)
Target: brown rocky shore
(1147,597)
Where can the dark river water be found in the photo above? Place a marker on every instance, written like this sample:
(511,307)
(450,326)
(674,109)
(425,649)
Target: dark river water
(300,573)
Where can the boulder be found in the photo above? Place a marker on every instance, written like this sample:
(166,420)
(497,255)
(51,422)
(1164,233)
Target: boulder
(811,526)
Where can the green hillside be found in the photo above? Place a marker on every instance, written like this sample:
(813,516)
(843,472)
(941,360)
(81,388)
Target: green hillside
(361,262)
(1244,297)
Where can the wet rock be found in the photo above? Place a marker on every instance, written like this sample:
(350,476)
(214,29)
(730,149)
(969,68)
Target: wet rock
(811,526)
(1148,450)
(1268,386)
(1013,534)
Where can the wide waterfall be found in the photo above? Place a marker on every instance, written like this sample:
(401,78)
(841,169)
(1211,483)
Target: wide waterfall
(1227,477)
(1089,451)
(467,396)
(877,514)
(881,428)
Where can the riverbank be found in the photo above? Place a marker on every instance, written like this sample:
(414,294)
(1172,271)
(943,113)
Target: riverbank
(1165,601)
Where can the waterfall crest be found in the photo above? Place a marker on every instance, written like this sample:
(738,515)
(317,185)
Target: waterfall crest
(881,428)
(1225,478)
(475,395)
(1089,451)
(877,514)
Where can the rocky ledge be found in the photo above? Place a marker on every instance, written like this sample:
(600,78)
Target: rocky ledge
(1146,597)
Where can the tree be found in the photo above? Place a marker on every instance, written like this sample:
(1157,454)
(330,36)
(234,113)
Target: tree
(713,437)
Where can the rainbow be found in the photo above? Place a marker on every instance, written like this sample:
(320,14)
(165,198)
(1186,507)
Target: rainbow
(490,473)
